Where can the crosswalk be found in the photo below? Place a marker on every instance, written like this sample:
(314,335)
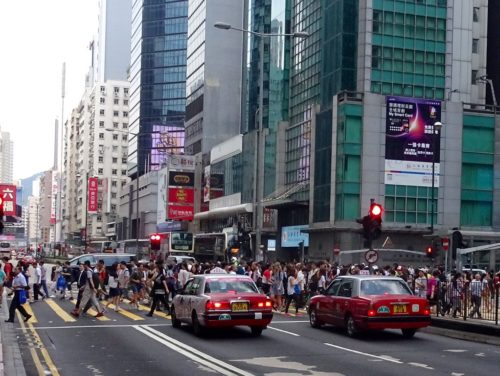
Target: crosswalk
(59,310)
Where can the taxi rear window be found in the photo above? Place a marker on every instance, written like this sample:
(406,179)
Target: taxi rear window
(229,285)
(384,287)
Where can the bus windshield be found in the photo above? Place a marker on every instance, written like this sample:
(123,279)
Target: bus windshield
(181,241)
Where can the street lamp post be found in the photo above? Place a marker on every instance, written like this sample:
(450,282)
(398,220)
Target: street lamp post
(259,176)
(436,131)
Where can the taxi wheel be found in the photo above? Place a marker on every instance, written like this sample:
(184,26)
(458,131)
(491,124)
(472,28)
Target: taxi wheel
(175,322)
(197,328)
(313,319)
(408,333)
(256,330)
(350,326)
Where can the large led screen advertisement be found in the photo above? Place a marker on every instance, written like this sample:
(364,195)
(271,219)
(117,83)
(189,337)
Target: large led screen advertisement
(412,142)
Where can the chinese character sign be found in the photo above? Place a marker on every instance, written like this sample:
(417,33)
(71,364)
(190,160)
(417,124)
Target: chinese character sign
(8,194)
(412,143)
(180,212)
(92,187)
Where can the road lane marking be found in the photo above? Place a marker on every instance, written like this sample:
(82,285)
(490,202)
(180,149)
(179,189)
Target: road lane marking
(283,331)
(94,326)
(28,309)
(290,322)
(365,354)
(34,355)
(192,353)
(43,350)
(147,309)
(126,313)
(59,311)
(93,312)
(421,365)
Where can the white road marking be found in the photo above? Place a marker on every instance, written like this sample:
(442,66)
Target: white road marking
(457,374)
(92,326)
(481,355)
(283,331)
(456,351)
(290,322)
(365,354)
(278,364)
(421,365)
(192,353)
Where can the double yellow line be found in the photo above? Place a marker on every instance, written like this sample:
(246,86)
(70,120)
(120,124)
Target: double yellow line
(30,329)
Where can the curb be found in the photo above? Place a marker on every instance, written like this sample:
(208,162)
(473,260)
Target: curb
(469,331)
(466,336)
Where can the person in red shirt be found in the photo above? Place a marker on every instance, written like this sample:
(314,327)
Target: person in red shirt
(266,279)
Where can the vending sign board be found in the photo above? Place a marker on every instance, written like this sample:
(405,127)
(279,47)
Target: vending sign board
(92,189)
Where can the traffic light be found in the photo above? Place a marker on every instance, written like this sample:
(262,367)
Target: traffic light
(430,252)
(457,241)
(155,242)
(372,224)
(1,216)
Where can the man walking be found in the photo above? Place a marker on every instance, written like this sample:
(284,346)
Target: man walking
(37,282)
(476,290)
(89,292)
(18,284)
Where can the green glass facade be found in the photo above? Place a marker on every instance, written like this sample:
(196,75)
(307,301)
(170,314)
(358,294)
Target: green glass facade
(408,48)
(478,148)
(348,161)
(323,163)
(406,204)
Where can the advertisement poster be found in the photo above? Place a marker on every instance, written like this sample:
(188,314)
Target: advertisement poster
(180,212)
(291,236)
(161,207)
(92,189)
(53,199)
(206,184)
(181,179)
(181,196)
(8,194)
(412,143)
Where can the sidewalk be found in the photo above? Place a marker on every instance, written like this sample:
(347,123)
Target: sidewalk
(11,363)
(476,330)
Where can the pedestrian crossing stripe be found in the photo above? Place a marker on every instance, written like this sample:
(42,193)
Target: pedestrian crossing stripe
(59,311)
(28,309)
(93,312)
(147,309)
(125,313)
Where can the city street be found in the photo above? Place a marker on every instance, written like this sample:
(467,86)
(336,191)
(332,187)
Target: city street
(128,342)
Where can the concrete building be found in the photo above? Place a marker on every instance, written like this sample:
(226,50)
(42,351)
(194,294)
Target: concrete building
(6,158)
(32,211)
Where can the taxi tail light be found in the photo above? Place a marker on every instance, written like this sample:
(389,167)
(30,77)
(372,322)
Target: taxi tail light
(427,311)
(371,312)
(210,305)
(265,304)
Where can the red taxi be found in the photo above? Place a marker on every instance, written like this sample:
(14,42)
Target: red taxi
(364,302)
(221,301)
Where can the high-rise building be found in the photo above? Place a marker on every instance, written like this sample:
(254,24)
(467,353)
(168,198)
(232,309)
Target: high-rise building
(157,82)
(6,158)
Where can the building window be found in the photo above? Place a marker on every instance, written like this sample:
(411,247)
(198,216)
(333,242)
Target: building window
(102,100)
(114,171)
(115,113)
(125,90)
(101,124)
(114,183)
(475,14)
(101,136)
(115,148)
(125,102)
(115,125)
(115,137)
(124,137)
(113,207)
(116,90)
(115,101)
(475,46)
(124,172)
(113,195)
(103,89)
(124,160)
(125,114)
(474,77)
(101,112)
(101,159)
(124,125)
(100,171)
(115,160)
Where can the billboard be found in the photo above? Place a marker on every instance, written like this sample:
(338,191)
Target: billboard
(180,212)
(166,140)
(8,194)
(181,179)
(53,201)
(181,196)
(291,236)
(411,141)
(92,188)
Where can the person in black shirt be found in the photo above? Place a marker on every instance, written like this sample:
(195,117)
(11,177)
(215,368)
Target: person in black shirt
(160,289)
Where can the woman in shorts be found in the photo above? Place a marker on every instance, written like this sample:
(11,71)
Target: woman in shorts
(114,291)
(277,288)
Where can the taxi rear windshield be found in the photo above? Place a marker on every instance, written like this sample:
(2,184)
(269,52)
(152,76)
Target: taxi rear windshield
(229,285)
(384,287)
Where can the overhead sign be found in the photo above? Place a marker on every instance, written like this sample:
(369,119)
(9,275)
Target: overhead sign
(92,189)
(8,195)
(181,162)
(412,142)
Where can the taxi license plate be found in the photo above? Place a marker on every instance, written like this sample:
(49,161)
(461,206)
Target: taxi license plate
(239,307)
(399,308)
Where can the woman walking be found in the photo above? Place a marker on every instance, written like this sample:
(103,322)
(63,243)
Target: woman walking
(277,288)
(160,289)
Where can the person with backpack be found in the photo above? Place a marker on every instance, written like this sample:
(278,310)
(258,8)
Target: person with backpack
(89,291)
(160,289)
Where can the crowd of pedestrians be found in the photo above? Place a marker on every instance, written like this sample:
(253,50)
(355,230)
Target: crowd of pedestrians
(155,284)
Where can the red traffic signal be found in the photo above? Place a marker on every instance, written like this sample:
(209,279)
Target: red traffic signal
(430,252)
(376,211)
(155,242)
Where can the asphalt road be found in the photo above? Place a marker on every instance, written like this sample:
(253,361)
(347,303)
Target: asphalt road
(131,343)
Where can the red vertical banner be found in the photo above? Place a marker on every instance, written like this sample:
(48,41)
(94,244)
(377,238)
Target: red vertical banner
(92,187)
(8,195)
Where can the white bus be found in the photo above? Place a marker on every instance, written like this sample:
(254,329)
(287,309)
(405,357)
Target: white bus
(216,246)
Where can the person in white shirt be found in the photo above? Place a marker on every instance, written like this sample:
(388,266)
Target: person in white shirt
(18,284)
(183,275)
(37,282)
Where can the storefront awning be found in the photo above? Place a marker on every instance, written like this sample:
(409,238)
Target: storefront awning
(225,212)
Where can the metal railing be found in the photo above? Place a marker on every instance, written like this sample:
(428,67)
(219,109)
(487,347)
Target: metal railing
(461,303)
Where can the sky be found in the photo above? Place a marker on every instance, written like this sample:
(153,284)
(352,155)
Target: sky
(36,38)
